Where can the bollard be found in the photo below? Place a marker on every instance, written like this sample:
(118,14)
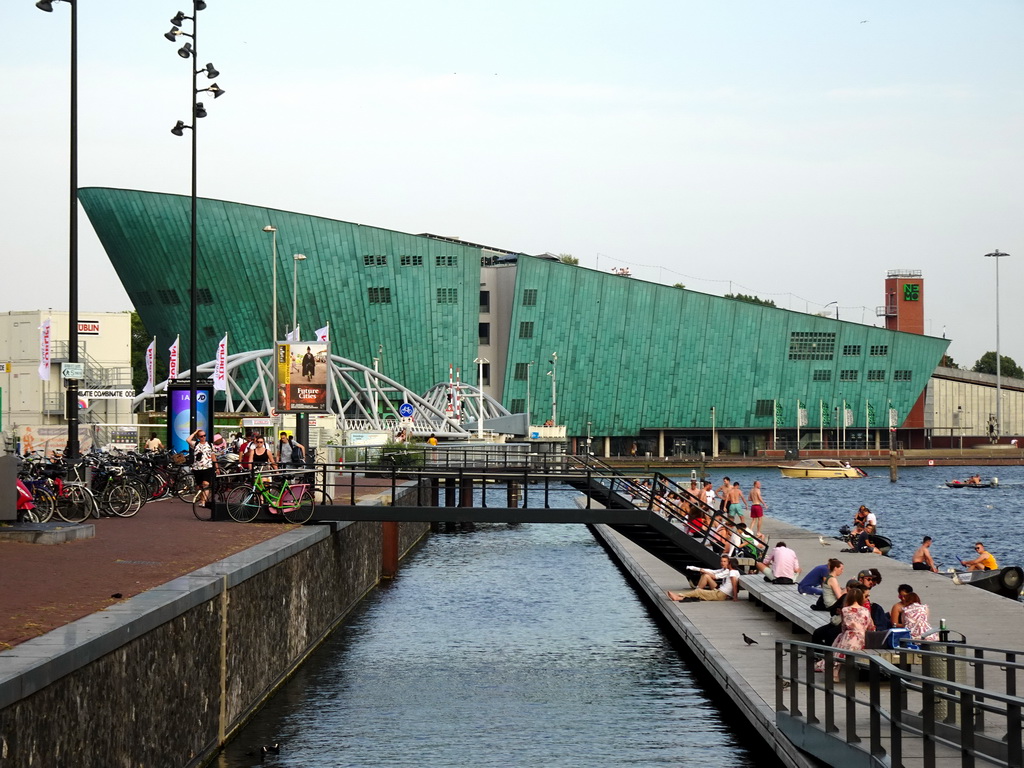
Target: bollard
(894,470)
(389,549)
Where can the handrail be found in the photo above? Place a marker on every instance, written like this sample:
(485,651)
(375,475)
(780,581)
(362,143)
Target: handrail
(963,731)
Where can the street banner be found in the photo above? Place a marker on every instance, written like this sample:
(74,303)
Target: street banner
(801,418)
(220,370)
(172,366)
(893,420)
(302,377)
(847,416)
(44,350)
(826,414)
(293,334)
(150,367)
(323,335)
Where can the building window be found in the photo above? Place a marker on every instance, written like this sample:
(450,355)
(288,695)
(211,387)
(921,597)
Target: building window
(208,330)
(203,296)
(529,297)
(764,408)
(143,299)
(446,261)
(526,330)
(848,375)
(168,296)
(822,375)
(447,295)
(522,370)
(876,375)
(486,373)
(485,301)
(485,333)
(415,260)
(518,405)
(380,295)
(811,345)
(901,376)
(375,260)
(879,350)
(851,350)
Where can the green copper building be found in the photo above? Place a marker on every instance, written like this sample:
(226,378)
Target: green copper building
(636,362)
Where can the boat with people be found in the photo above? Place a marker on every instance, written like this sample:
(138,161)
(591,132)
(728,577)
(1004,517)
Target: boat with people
(974,481)
(821,468)
(1006,582)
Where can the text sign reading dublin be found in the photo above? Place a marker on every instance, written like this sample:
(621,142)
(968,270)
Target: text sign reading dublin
(405,410)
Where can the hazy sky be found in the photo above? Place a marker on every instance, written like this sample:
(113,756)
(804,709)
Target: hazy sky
(798,149)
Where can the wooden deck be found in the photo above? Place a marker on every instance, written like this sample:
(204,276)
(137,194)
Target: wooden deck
(714,630)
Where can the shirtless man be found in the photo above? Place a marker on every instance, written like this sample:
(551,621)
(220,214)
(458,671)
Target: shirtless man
(722,492)
(737,503)
(922,559)
(756,507)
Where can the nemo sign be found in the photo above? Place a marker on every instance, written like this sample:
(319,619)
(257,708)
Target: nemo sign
(88,327)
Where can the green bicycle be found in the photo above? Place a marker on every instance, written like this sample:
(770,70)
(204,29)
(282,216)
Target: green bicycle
(294,502)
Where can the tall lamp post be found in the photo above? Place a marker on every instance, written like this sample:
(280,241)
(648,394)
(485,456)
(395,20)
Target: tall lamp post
(714,435)
(189,52)
(71,402)
(480,363)
(997,255)
(529,416)
(272,230)
(553,373)
(295,289)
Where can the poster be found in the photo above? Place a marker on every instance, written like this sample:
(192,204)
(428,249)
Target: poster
(179,414)
(302,377)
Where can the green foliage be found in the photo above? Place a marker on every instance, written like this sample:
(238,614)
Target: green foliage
(568,258)
(394,454)
(1007,366)
(750,299)
(948,362)
(678,285)
(140,340)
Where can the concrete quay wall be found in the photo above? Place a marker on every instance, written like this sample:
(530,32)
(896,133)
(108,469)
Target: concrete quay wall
(165,678)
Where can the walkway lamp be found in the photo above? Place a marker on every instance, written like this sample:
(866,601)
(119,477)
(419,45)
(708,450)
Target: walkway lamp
(71,401)
(295,289)
(189,51)
(480,363)
(529,416)
(997,255)
(273,265)
(714,435)
(553,373)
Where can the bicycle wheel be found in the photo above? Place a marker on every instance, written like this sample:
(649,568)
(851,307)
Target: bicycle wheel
(185,486)
(303,511)
(320,496)
(243,504)
(203,510)
(45,504)
(124,500)
(74,504)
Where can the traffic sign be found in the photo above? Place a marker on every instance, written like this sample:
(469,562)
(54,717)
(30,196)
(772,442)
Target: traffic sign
(72,371)
(405,410)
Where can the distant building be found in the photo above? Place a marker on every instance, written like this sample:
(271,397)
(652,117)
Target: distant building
(636,361)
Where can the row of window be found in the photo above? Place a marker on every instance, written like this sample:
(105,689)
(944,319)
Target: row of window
(382,295)
(170,297)
(409,260)
(875,350)
(852,375)
(816,345)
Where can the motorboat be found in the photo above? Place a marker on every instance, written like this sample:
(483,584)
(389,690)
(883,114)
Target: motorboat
(966,484)
(821,468)
(1006,582)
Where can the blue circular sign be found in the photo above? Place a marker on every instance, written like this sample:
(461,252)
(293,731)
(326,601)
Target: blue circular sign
(405,411)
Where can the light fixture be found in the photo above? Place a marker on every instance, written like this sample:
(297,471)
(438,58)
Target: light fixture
(185,51)
(179,128)
(200,110)
(173,34)
(179,18)
(45,5)
(211,71)
(216,90)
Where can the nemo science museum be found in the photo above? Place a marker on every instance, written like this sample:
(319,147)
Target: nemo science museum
(638,366)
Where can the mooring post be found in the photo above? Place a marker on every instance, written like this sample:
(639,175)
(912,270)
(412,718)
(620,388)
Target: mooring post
(466,492)
(894,470)
(449,491)
(389,549)
(435,492)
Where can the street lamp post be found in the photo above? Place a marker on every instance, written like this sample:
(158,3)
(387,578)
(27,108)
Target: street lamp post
(997,255)
(480,363)
(273,264)
(295,290)
(829,305)
(529,416)
(714,435)
(588,438)
(71,401)
(554,389)
(190,52)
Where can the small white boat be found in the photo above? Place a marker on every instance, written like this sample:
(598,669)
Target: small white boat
(821,468)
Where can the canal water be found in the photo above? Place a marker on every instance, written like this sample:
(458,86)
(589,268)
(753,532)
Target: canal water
(918,504)
(507,646)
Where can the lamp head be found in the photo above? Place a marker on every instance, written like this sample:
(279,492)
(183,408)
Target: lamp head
(179,128)
(199,5)
(173,34)
(216,90)
(270,228)
(179,17)
(211,71)
(185,51)
(200,111)
(45,5)
(299,257)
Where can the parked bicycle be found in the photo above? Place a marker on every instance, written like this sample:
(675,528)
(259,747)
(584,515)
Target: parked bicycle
(294,501)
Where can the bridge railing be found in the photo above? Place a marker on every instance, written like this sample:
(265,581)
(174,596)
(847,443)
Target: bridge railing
(939,711)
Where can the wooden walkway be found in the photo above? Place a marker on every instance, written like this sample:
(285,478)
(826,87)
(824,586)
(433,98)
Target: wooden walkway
(714,631)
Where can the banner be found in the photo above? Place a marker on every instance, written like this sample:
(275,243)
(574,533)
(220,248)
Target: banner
(172,366)
(870,410)
(778,413)
(323,335)
(847,416)
(44,350)
(220,370)
(150,367)
(893,420)
(801,414)
(293,334)
(302,377)
(826,414)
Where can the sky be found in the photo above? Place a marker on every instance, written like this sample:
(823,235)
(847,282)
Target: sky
(794,150)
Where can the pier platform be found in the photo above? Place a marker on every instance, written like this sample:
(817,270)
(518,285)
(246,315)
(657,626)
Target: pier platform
(714,631)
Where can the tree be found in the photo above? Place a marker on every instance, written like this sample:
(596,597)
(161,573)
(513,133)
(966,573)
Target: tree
(678,285)
(568,258)
(750,299)
(947,362)
(140,340)
(1007,366)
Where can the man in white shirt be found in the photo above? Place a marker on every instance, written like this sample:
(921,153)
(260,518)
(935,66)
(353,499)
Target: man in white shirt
(708,588)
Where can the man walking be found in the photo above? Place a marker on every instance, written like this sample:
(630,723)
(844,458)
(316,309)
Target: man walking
(756,508)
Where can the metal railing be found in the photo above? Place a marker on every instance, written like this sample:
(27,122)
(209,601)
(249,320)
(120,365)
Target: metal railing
(934,707)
